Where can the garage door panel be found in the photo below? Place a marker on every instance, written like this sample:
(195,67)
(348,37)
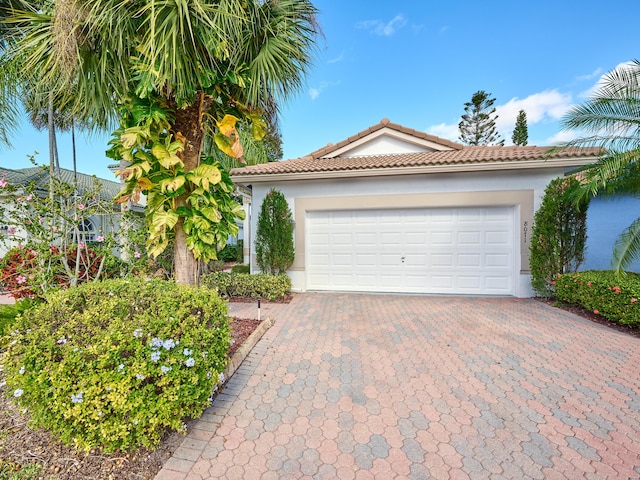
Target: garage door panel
(439,250)
(470,260)
(473,282)
(470,238)
(441,238)
(341,239)
(471,215)
(391,260)
(497,260)
(497,238)
(442,260)
(366,260)
(496,283)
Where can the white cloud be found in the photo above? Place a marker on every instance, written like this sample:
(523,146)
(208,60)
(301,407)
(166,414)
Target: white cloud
(589,76)
(382,29)
(339,58)
(563,136)
(315,92)
(590,92)
(549,105)
(444,130)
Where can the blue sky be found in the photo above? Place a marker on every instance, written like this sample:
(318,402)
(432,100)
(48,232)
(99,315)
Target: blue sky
(418,62)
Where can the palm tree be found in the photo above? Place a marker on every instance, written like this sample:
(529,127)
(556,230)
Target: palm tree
(198,59)
(611,121)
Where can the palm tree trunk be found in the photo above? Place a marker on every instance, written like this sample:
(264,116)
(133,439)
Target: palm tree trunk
(188,125)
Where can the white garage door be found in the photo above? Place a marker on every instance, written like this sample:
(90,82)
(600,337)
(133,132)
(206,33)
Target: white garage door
(434,250)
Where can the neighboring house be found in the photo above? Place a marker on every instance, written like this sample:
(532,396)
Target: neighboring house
(90,227)
(392,209)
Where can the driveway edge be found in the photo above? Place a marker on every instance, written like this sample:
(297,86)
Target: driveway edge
(246,347)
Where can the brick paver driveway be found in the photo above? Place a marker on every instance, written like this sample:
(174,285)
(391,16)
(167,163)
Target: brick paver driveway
(376,386)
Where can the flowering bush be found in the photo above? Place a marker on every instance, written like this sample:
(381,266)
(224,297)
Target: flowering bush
(244,285)
(50,231)
(113,364)
(603,292)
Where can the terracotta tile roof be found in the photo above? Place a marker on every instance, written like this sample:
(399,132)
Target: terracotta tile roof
(464,156)
(384,123)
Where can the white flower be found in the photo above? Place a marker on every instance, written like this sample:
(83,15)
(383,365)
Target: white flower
(99,414)
(76,397)
(186,352)
(137,332)
(190,362)
(168,344)
(139,376)
(62,341)
(165,369)
(18,392)
(155,356)
(208,374)
(111,294)
(121,368)
(221,378)
(22,370)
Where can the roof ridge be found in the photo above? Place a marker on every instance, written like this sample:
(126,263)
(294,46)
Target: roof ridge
(384,123)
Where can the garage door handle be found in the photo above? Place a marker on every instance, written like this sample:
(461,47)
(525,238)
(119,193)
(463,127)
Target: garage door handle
(403,259)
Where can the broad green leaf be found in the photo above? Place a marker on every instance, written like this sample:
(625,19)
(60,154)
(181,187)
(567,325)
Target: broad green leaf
(205,176)
(211,213)
(207,237)
(258,126)
(184,211)
(129,140)
(201,223)
(164,219)
(172,184)
(224,144)
(166,158)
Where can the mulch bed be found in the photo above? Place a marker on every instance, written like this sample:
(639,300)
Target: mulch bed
(594,317)
(21,445)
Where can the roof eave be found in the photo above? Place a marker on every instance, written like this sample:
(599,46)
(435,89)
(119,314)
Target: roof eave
(421,169)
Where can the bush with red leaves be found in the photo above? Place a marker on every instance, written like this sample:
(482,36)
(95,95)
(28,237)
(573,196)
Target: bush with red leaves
(24,276)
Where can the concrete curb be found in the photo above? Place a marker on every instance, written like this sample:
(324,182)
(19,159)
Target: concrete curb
(245,349)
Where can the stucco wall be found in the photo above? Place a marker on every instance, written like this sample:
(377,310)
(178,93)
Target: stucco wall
(523,180)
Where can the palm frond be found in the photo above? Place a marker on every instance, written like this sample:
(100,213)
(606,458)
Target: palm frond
(627,247)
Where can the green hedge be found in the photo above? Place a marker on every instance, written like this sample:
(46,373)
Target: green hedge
(115,364)
(603,292)
(244,285)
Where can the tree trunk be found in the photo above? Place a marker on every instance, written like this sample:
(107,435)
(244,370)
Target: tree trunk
(188,126)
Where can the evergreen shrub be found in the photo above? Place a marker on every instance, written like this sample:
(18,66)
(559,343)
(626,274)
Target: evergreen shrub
(558,236)
(244,285)
(274,234)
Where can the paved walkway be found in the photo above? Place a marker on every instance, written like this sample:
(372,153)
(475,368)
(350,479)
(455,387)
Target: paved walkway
(390,387)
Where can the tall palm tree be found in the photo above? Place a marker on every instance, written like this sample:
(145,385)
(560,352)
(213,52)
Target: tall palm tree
(202,58)
(611,120)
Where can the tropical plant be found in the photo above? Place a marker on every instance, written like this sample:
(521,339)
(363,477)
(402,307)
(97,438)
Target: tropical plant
(274,234)
(174,73)
(478,124)
(559,235)
(520,132)
(610,119)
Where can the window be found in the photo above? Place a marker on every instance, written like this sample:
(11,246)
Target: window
(84,233)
